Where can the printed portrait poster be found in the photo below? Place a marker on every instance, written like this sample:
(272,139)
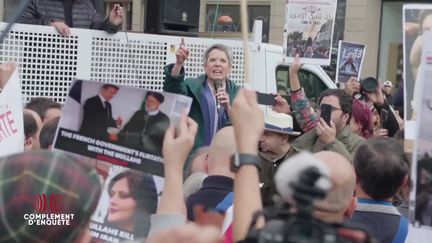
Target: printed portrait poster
(127,200)
(11,117)
(350,60)
(309,30)
(422,154)
(416,19)
(118,124)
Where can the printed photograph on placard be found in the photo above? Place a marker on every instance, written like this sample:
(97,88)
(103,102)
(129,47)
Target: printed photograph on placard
(350,60)
(309,30)
(127,200)
(422,152)
(416,18)
(118,124)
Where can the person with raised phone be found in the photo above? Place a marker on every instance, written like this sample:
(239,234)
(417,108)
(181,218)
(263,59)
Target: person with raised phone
(329,127)
(212,93)
(338,203)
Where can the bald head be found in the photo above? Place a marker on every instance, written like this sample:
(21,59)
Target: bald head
(223,146)
(339,198)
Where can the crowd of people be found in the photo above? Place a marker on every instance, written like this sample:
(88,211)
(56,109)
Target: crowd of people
(220,161)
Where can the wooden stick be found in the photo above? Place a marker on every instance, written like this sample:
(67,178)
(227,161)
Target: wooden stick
(245,34)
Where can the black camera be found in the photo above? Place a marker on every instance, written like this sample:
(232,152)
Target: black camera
(368,85)
(282,225)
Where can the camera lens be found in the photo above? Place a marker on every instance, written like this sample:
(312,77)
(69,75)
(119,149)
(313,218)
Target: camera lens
(369,85)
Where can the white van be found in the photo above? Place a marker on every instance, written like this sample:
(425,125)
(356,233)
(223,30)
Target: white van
(313,78)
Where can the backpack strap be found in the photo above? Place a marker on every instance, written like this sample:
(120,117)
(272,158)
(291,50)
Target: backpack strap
(402,231)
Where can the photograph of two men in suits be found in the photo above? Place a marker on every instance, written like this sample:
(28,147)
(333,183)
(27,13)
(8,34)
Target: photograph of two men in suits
(144,130)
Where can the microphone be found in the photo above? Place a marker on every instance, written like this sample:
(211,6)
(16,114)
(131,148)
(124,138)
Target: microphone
(217,86)
(290,176)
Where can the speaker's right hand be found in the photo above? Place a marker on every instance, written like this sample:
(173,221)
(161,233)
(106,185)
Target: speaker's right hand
(182,53)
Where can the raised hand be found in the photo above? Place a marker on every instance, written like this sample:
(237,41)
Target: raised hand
(182,53)
(6,71)
(178,142)
(326,133)
(281,105)
(248,121)
(296,65)
(352,86)
(116,15)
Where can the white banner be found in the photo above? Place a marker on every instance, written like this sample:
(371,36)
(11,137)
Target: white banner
(309,29)
(11,117)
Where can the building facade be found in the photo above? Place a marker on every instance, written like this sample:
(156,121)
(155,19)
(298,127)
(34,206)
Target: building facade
(376,23)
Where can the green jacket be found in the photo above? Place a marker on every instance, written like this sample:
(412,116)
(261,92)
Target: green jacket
(193,87)
(346,143)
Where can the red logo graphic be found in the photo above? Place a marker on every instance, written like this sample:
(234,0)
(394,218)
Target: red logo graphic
(54,203)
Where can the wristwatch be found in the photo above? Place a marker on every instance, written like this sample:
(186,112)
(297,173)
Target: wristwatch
(238,160)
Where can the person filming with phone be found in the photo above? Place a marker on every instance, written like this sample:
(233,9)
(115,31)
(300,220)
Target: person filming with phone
(329,127)
(212,93)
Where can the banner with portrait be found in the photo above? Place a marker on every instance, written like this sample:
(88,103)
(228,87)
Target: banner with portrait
(416,18)
(422,153)
(350,60)
(118,124)
(308,29)
(11,117)
(127,200)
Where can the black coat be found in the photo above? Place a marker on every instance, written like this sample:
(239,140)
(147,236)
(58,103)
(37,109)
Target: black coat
(145,132)
(96,119)
(43,12)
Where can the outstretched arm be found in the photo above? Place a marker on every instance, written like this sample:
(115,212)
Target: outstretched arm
(306,117)
(182,55)
(248,122)
(176,148)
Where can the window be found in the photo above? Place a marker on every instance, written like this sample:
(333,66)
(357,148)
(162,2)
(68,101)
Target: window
(228,18)
(312,84)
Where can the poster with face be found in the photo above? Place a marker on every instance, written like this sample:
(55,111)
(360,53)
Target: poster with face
(422,153)
(118,124)
(350,60)
(128,199)
(309,30)
(417,18)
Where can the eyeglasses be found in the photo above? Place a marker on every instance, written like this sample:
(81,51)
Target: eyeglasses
(332,108)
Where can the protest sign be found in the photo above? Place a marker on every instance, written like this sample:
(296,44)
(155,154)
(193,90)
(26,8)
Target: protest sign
(422,153)
(350,60)
(118,124)
(416,18)
(11,117)
(309,29)
(128,199)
